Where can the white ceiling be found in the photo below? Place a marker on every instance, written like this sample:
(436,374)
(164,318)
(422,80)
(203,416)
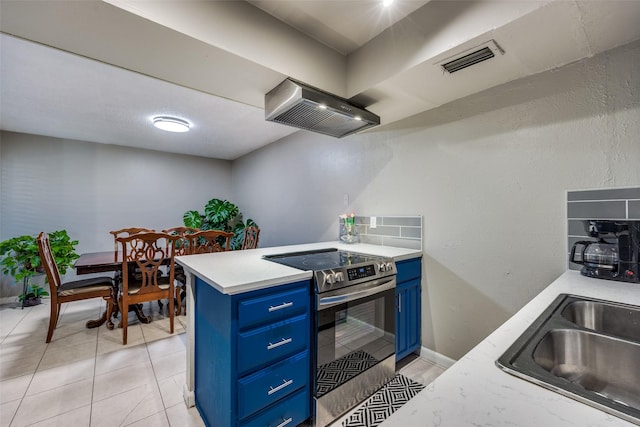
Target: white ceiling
(342,25)
(98,71)
(47,91)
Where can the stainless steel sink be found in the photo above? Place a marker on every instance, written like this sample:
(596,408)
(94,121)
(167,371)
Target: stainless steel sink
(613,319)
(598,363)
(586,349)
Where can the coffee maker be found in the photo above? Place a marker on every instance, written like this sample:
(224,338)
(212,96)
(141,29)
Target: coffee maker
(615,255)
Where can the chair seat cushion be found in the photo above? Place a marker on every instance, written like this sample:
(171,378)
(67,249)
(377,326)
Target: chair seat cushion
(93,284)
(134,287)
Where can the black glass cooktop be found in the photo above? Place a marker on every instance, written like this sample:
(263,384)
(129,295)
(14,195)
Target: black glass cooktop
(324,259)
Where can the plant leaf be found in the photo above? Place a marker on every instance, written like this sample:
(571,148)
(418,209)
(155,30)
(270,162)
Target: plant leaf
(192,219)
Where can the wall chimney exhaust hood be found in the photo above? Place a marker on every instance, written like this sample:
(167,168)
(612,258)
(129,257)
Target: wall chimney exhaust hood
(295,104)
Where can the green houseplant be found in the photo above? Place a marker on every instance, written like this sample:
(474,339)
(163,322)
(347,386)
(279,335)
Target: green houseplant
(219,215)
(19,258)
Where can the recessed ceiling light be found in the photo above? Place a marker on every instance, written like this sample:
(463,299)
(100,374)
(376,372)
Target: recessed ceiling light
(171,124)
(387,3)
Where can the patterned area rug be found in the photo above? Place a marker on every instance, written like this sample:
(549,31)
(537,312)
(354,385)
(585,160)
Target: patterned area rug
(384,402)
(339,371)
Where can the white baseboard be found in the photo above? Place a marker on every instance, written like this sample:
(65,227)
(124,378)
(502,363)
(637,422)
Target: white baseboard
(8,300)
(436,358)
(14,300)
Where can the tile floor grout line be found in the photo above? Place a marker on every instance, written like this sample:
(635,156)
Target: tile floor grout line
(155,376)
(136,406)
(32,375)
(93,380)
(30,381)
(15,326)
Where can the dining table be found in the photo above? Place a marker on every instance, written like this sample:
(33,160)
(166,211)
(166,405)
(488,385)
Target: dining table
(105,262)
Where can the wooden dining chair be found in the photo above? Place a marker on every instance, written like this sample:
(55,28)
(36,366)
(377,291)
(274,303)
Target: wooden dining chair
(147,253)
(96,287)
(182,247)
(208,241)
(251,235)
(201,242)
(117,277)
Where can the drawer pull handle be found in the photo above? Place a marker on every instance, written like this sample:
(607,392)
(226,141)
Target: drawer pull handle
(280,387)
(280,307)
(285,422)
(279,343)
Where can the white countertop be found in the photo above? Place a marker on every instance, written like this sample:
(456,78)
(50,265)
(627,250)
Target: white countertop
(241,271)
(475,392)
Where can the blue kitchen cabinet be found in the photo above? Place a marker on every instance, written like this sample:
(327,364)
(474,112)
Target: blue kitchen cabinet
(408,306)
(252,359)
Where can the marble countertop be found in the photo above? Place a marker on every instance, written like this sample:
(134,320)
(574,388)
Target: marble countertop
(241,271)
(475,392)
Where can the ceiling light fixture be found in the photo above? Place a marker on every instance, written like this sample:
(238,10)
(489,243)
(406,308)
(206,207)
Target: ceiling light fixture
(387,3)
(171,124)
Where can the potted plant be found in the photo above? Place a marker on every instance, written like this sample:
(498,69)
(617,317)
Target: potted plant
(219,215)
(33,295)
(19,258)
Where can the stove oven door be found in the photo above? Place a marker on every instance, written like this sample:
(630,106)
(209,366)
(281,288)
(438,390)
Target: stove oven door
(355,345)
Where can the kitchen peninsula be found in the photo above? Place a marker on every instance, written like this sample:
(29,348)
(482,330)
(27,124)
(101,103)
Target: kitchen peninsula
(248,329)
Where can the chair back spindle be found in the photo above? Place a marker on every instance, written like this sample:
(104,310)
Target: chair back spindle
(50,266)
(183,239)
(208,241)
(126,232)
(251,235)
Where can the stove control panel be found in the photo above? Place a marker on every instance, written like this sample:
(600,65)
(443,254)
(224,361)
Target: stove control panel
(361,272)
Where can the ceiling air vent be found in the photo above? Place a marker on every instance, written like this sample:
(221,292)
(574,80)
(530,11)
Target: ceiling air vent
(472,57)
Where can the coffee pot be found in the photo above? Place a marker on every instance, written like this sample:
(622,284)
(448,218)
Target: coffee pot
(598,254)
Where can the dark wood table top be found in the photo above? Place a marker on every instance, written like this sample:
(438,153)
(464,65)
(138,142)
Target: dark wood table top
(98,262)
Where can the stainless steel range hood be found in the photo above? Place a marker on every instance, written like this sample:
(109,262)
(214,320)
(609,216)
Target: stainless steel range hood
(295,104)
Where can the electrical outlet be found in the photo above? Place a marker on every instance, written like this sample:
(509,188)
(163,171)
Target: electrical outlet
(372,222)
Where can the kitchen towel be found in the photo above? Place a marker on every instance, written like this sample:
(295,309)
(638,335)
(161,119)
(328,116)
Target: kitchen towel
(384,402)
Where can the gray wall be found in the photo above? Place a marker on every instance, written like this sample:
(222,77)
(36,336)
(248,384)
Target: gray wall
(88,189)
(488,173)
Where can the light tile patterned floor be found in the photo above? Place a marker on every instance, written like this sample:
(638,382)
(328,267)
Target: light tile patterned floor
(86,377)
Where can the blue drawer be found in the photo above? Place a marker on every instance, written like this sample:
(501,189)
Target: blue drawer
(409,269)
(273,307)
(260,347)
(289,412)
(269,385)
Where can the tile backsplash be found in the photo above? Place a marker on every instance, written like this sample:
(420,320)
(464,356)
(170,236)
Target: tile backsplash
(398,231)
(606,204)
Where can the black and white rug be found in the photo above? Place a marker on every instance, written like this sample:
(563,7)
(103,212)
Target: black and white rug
(339,371)
(384,402)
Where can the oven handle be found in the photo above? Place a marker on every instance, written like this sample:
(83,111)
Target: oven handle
(327,302)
